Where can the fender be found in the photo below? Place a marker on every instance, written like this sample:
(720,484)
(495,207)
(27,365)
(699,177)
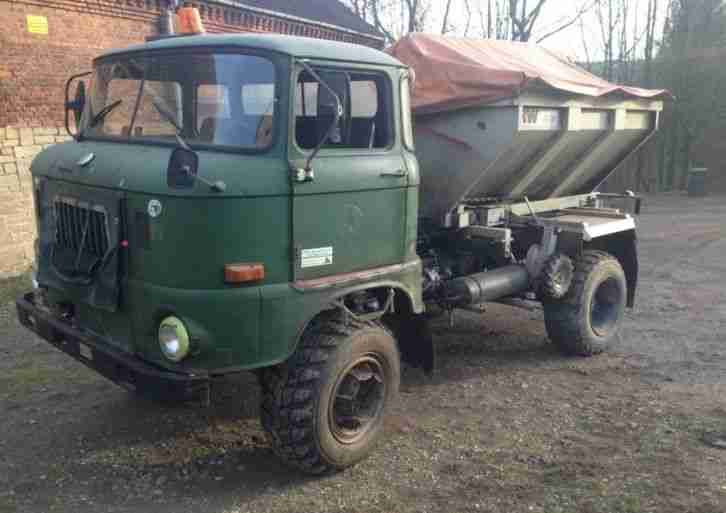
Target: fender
(294,305)
(624,247)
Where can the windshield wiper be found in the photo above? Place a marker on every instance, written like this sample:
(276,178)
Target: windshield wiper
(101,114)
(172,119)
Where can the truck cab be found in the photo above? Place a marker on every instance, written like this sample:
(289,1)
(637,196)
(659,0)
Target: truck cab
(222,193)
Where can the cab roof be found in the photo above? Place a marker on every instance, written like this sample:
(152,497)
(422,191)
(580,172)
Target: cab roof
(295,46)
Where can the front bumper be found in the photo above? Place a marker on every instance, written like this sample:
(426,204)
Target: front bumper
(124,369)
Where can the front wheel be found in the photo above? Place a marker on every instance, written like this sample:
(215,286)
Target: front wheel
(323,409)
(586,320)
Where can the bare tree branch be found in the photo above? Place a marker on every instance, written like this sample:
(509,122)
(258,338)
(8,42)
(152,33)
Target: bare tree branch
(467,9)
(585,45)
(584,9)
(375,8)
(445,23)
(532,19)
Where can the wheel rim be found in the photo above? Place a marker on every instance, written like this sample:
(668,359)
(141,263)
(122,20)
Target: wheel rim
(358,399)
(605,308)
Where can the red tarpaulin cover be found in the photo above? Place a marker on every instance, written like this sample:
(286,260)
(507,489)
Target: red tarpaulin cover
(452,73)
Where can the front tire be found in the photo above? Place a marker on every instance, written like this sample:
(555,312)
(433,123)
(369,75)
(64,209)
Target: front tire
(323,409)
(587,319)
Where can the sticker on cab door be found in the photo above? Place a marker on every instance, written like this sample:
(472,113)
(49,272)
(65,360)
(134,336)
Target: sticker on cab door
(316,257)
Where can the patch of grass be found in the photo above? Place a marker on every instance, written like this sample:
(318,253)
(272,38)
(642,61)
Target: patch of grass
(573,498)
(6,506)
(11,288)
(672,430)
(27,376)
(631,504)
(30,375)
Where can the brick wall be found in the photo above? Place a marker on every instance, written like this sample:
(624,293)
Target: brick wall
(18,146)
(34,68)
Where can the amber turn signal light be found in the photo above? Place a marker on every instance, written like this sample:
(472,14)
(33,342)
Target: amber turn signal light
(243,273)
(190,22)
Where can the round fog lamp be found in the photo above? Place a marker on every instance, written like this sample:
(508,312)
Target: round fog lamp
(173,339)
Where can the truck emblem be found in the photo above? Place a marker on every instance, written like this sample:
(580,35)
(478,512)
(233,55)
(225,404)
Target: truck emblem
(86,159)
(154,208)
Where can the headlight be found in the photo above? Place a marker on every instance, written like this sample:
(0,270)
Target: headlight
(173,339)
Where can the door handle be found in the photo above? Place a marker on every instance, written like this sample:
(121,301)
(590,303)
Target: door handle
(396,174)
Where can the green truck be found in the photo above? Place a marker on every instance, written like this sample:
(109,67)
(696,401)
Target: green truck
(237,203)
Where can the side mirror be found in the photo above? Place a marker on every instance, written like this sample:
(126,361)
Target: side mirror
(77,104)
(182,170)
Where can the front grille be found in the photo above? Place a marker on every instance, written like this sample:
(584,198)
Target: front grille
(73,218)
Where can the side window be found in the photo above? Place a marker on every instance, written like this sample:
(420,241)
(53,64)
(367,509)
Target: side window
(366,121)
(306,99)
(364,99)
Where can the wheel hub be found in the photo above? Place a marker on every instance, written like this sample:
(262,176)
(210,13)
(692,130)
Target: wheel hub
(358,399)
(604,311)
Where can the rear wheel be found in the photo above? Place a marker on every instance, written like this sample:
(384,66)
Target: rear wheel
(586,320)
(323,409)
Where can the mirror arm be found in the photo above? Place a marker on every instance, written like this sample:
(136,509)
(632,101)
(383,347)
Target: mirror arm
(73,104)
(336,119)
(218,186)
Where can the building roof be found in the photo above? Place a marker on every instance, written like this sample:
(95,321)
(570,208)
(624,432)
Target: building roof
(303,47)
(329,12)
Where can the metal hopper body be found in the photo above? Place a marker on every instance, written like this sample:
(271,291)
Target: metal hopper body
(533,146)
(505,120)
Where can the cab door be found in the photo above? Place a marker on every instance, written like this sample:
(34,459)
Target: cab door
(350,216)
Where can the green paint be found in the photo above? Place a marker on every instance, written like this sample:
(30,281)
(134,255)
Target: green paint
(176,267)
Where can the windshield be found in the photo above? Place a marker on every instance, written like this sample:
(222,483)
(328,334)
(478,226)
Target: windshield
(217,99)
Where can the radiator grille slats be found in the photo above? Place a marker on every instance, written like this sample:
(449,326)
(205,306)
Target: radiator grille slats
(72,219)
(92,236)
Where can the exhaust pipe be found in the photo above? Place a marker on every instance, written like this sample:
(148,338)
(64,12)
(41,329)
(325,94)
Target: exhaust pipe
(487,286)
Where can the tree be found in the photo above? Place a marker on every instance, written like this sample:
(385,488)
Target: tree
(650,41)
(393,18)
(518,20)
(524,19)
(445,25)
(689,62)
(494,19)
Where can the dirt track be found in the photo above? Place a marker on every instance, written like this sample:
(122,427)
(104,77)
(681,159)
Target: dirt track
(507,425)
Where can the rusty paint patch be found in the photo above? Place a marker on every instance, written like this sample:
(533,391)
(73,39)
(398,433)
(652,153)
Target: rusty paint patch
(345,278)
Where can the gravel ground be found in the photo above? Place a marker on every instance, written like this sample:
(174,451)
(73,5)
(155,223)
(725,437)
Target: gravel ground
(506,425)
(677,330)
